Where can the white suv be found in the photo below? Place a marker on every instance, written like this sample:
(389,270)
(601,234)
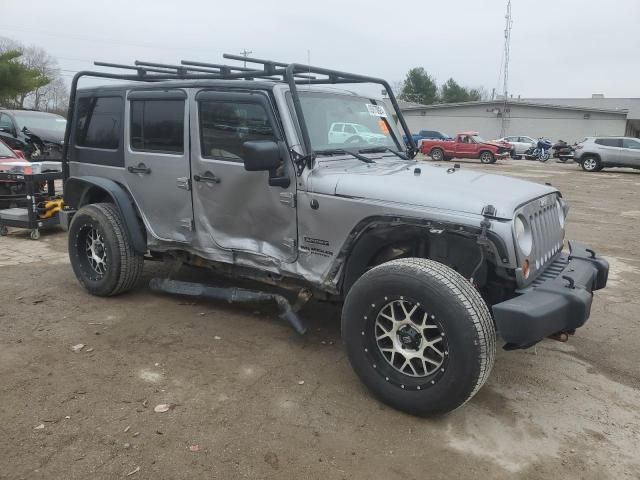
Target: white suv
(353,133)
(596,153)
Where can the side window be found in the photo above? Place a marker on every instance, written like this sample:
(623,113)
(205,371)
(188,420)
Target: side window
(349,129)
(157,125)
(5,122)
(630,143)
(609,142)
(337,127)
(225,126)
(98,122)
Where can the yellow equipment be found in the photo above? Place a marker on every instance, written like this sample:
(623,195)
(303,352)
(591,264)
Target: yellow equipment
(49,208)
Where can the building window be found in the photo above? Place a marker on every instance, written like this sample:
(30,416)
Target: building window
(157,126)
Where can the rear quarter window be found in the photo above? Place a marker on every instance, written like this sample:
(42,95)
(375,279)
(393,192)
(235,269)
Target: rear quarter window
(98,122)
(96,129)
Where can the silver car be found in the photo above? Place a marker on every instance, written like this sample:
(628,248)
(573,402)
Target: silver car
(232,170)
(520,143)
(596,153)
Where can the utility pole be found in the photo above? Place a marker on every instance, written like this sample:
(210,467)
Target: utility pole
(506,111)
(245,53)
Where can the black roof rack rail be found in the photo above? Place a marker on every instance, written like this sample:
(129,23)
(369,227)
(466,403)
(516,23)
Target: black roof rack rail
(293,74)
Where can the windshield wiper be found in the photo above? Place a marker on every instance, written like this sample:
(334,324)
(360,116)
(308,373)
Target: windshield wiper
(382,150)
(341,151)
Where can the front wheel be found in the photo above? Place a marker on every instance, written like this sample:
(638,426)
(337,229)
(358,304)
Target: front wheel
(418,335)
(100,251)
(437,155)
(487,157)
(591,164)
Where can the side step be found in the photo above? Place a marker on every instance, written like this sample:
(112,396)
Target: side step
(234,295)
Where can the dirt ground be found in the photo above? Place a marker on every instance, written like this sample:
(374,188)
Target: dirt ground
(235,376)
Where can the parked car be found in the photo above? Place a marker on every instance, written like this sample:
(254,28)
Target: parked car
(39,135)
(353,133)
(9,188)
(520,144)
(426,135)
(417,254)
(465,145)
(595,153)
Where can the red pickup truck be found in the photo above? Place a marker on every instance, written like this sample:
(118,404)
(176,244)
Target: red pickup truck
(465,145)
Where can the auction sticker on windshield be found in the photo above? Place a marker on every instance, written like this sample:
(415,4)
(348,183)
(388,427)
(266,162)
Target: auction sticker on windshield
(376,110)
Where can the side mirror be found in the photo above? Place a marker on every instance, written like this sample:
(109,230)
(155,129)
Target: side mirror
(261,155)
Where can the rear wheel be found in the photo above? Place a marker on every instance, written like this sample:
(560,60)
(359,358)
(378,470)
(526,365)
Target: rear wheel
(437,154)
(591,164)
(100,251)
(418,335)
(487,157)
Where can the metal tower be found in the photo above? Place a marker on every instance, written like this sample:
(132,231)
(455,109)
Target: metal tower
(506,111)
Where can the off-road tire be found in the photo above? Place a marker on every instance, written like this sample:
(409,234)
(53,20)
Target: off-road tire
(122,264)
(457,308)
(487,157)
(437,155)
(591,163)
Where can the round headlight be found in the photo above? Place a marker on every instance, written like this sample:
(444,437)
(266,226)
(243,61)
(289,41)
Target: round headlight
(560,209)
(523,235)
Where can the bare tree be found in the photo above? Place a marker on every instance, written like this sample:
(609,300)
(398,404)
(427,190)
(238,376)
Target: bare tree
(50,97)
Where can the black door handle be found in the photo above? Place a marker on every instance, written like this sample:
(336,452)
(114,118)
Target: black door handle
(141,168)
(208,177)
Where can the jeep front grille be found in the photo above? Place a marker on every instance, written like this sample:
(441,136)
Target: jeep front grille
(547,232)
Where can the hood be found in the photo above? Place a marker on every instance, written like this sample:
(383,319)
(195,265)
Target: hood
(501,146)
(46,135)
(462,190)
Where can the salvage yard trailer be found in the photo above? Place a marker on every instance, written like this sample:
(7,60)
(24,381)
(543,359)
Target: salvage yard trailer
(233,169)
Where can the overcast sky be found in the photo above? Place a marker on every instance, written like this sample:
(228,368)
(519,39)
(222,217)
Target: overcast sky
(561,48)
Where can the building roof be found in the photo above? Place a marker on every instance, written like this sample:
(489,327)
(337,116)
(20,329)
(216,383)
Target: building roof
(526,103)
(631,104)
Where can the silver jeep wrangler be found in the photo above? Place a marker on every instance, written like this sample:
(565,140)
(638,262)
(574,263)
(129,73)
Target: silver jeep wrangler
(253,173)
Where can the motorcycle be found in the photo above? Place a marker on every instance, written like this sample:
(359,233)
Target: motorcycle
(539,152)
(563,151)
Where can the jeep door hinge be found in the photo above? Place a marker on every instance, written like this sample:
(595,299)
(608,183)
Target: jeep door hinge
(288,198)
(188,223)
(183,183)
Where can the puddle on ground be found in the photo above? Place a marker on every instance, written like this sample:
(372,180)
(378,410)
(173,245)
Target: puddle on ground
(150,376)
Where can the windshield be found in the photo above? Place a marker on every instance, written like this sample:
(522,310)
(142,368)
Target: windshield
(347,121)
(6,151)
(40,122)
(477,139)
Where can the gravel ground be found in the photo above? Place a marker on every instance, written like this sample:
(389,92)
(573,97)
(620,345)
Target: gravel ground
(235,378)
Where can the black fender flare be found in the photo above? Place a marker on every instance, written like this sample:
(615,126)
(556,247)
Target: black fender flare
(338,275)
(80,191)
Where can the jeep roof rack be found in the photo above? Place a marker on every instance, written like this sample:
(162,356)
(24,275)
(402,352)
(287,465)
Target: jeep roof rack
(291,73)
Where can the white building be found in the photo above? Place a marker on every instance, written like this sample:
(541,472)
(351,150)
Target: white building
(569,119)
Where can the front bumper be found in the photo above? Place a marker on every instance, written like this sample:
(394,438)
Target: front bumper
(559,300)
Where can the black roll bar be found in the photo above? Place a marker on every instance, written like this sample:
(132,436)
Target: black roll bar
(293,74)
